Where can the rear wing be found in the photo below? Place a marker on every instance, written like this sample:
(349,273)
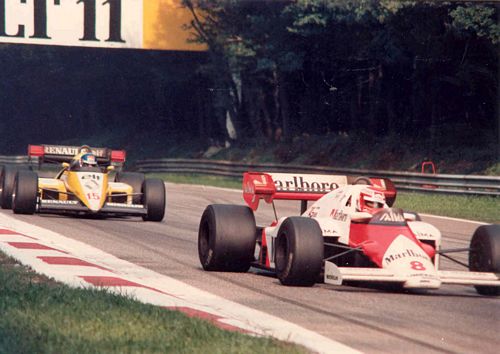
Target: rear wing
(64,153)
(304,187)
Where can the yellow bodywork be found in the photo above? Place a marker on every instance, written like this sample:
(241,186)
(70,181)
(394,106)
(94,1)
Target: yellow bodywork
(66,186)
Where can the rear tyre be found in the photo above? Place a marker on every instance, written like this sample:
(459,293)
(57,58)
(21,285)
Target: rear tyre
(25,193)
(484,255)
(1,182)
(133,179)
(362,180)
(7,186)
(226,238)
(299,251)
(153,199)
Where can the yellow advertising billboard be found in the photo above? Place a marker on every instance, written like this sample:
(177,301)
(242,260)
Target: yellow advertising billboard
(139,24)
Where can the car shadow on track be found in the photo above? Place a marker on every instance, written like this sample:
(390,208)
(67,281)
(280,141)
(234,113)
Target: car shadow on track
(391,289)
(380,288)
(91,217)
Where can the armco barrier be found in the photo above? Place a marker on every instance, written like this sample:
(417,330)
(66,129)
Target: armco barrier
(13,160)
(434,183)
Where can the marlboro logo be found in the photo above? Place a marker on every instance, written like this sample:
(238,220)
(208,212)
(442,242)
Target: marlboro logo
(307,183)
(408,253)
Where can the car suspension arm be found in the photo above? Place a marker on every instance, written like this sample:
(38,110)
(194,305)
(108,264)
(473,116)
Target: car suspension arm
(349,250)
(454,260)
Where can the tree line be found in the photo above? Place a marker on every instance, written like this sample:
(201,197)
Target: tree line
(275,70)
(426,70)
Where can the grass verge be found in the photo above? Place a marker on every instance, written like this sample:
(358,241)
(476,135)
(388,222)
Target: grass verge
(206,180)
(38,315)
(479,208)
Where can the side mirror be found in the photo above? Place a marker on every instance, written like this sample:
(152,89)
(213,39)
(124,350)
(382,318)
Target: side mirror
(65,165)
(360,216)
(110,168)
(410,216)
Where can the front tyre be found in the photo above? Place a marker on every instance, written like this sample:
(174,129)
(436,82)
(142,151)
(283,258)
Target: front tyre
(484,255)
(299,251)
(24,196)
(153,199)
(226,238)
(7,179)
(133,179)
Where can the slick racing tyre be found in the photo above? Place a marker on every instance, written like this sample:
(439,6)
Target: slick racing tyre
(1,183)
(133,179)
(299,251)
(153,199)
(484,255)
(226,238)
(7,179)
(25,193)
(362,180)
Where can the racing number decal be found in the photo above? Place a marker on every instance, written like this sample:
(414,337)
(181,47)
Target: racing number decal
(93,196)
(416,265)
(96,177)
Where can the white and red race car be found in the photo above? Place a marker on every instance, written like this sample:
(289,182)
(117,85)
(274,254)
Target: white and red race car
(350,233)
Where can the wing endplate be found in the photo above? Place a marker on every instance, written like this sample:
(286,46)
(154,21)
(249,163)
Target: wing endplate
(337,275)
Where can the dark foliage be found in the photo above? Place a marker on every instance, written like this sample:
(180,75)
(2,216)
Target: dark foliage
(424,71)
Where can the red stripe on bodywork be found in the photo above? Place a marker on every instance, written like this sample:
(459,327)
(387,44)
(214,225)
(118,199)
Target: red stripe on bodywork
(69,261)
(264,251)
(32,246)
(376,239)
(214,319)
(115,281)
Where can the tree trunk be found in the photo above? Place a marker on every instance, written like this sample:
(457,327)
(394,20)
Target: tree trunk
(277,123)
(250,100)
(284,106)
(434,117)
(390,105)
(263,109)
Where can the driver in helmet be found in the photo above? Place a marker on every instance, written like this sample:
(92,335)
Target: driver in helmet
(84,149)
(371,200)
(88,160)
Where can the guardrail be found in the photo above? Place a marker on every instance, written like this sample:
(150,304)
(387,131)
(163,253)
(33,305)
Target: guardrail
(434,183)
(13,160)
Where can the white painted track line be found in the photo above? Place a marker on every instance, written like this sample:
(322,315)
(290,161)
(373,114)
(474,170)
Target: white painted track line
(455,219)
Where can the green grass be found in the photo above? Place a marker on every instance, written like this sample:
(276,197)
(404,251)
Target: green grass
(38,315)
(206,180)
(480,208)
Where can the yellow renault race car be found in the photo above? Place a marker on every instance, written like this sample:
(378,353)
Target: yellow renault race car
(82,186)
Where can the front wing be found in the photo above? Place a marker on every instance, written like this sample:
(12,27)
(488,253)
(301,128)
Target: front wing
(73,206)
(337,275)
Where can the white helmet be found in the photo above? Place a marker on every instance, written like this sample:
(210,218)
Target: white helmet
(371,199)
